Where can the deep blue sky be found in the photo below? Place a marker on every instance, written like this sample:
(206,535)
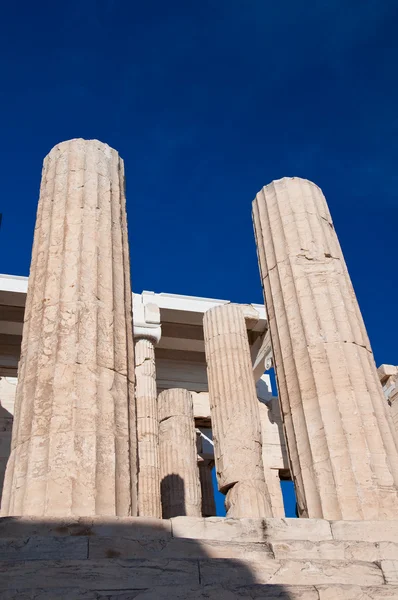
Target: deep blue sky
(207,101)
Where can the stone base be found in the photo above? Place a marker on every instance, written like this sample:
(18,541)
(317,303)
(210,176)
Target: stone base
(187,557)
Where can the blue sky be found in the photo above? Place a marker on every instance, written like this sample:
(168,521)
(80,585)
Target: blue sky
(207,101)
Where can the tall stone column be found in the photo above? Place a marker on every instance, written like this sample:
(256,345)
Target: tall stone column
(340,438)
(180,485)
(74,435)
(147,333)
(234,413)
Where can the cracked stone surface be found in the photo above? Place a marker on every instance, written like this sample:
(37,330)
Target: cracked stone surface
(72,452)
(235,413)
(341,441)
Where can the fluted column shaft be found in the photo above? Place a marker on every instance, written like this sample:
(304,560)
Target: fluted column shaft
(180,485)
(340,438)
(74,434)
(149,504)
(235,413)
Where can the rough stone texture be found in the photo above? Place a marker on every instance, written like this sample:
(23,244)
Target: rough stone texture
(75,412)
(368,531)
(355,592)
(44,548)
(197,592)
(390,571)
(335,550)
(252,530)
(179,473)
(339,433)
(130,558)
(112,574)
(149,504)
(298,572)
(235,413)
(206,486)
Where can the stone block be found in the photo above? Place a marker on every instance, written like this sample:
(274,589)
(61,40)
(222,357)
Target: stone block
(329,550)
(252,592)
(14,527)
(122,547)
(197,592)
(251,530)
(354,592)
(219,528)
(385,371)
(134,528)
(111,574)
(52,594)
(314,530)
(325,572)
(388,550)
(138,528)
(42,548)
(237,573)
(366,531)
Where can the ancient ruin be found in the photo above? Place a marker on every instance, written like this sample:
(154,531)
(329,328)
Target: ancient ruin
(121,413)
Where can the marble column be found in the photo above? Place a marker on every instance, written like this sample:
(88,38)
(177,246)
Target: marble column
(74,434)
(180,485)
(340,437)
(146,335)
(235,413)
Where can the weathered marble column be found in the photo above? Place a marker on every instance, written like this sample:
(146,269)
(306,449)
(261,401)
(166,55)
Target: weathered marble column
(234,413)
(147,333)
(206,486)
(180,485)
(74,434)
(340,437)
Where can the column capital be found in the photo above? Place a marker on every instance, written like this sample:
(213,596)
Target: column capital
(146,319)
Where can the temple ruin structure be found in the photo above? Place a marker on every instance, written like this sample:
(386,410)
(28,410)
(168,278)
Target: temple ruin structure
(126,419)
